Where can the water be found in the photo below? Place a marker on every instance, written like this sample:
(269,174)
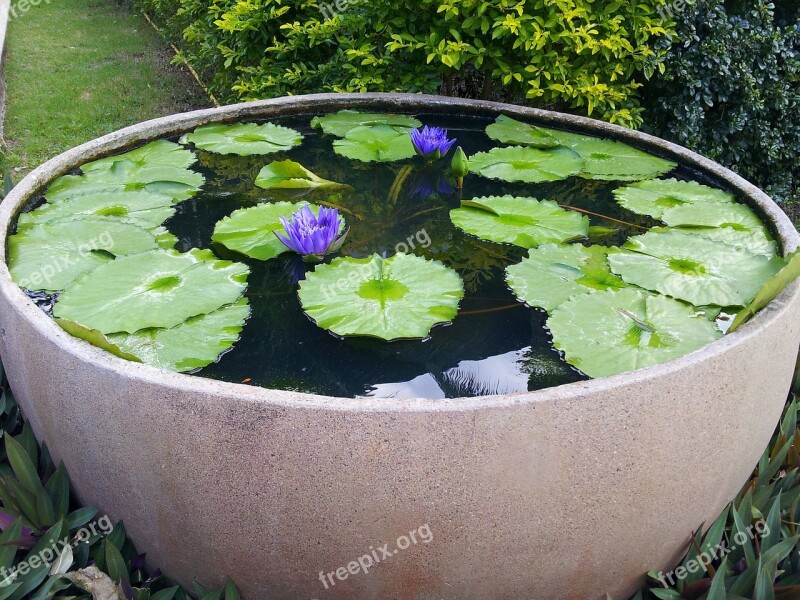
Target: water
(495,345)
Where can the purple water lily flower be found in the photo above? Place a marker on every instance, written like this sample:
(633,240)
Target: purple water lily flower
(431,143)
(313,236)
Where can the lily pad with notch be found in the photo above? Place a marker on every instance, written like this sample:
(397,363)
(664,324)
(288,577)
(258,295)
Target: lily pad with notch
(243,139)
(693,268)
(401,297)
(614,331)
(49,257)
(516,133)
(160,288)
(380,143)
(554,273)
(654,197)
(530,165)
(344,121)
(145,209)
(524,222)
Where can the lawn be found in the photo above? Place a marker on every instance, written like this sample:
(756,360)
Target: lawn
(77,69)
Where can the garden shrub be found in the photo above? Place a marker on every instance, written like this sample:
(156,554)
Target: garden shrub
(576,54)
(731,89)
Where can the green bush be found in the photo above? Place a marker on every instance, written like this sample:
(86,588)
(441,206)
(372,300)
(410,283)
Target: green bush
(569,54)
(731,90)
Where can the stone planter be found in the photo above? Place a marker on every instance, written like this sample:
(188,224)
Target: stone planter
(566,493)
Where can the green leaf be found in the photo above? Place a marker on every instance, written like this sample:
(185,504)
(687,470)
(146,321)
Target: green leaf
(717,589)
(770,290)
(243,139)
(145,209)
(115,564)
(615,331)
(95,338)
(339,124)
(79,518)
(231,593)
(50,257)
(401,297)
(161,152)
(8,551)
(692,268)
(510,131)
(22,465)
(288,174)
(611,160)
(654,197)
(161,288)
(734,224)
(524,222)
(165,594)
(552,274)
(531,165)
(194,344)
(375,144)
(250,231)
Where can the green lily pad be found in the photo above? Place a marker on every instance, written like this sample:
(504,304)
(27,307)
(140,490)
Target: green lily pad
(339,124)
(654,197)
(144,209)
(159,167)
(160,288)
(510,131)
(193,344)
(531,165)
(693,268)
(731,223)
(250,231)
(553,273)
(243,139)
(95,338)
(771,290)
(609,160)
(49,257)
(615,331)
(161,153)
(288,174)
(388,298)
(524,222)
(375,144)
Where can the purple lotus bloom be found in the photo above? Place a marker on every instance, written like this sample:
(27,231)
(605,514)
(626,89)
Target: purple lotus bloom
(312,236)
(431,143)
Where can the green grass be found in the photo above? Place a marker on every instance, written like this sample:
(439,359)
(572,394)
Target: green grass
(77,69)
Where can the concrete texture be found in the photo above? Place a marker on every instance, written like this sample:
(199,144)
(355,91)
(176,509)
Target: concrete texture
(562,494)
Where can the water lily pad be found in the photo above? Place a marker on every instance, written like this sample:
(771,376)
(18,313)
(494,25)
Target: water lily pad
(693,268)
(144,209)
(388,298)
(288,174)
(49,257)
(732,223)
(610,160)
(243,139)
(250,231)
(615,331)
(95,338)
(553,273)
(531,165)
(771,290)
(159,167)
(510,131)
(161,153)
(524,222)
(160,288)
(375,144)
(194,344)
(339,124)
(658,195)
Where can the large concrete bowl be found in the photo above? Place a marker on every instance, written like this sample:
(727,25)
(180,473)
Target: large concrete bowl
(566,493)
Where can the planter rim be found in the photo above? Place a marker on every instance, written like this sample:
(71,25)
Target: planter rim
(36,181)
